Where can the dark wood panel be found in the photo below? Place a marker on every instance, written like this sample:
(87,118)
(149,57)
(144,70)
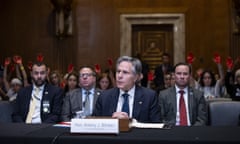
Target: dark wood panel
(27,29)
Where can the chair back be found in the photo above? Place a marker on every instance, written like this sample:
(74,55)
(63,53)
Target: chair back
(222,113)
(6,110)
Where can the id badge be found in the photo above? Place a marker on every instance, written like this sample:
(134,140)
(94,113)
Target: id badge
(46,106)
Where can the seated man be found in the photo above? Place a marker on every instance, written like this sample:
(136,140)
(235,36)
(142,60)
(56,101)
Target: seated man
(80,102)
(39,102)
(128,100)
(181,104)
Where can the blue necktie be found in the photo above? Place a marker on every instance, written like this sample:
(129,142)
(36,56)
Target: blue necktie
(125,106)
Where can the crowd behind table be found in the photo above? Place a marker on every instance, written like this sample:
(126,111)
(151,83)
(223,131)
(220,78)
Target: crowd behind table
(39,94)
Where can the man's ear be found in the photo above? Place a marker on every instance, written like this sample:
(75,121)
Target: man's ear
(138,77)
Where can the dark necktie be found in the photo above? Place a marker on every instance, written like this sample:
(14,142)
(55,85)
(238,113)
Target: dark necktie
(182,109)
(87,104)
(125,106)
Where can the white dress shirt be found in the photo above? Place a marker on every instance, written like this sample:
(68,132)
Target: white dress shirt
(36,118)
(131,93)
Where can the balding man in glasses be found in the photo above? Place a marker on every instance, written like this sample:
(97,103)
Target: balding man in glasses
(80,102)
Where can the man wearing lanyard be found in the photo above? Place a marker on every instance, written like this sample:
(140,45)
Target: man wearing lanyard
(39,102)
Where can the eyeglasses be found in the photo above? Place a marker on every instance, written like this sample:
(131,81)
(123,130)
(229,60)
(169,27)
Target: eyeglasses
(86,75)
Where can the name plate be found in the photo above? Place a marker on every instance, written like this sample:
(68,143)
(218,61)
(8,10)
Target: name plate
(96,126)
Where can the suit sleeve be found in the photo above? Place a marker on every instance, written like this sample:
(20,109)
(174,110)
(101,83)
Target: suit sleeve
(98,107)
(161,107)
(154,109)
(201,118)
(167,113)
(66,110)
(17,109)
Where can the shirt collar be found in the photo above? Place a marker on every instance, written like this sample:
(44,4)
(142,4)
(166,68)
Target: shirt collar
(130,92)
(91,90)
(178,89)
(40,88)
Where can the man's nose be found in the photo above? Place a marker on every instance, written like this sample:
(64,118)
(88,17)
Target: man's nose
(181,75)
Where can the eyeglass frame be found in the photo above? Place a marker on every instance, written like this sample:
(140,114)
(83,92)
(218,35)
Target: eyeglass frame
(82,75)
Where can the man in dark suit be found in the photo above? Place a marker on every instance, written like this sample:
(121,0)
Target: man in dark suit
(128,100)
(74,103)
(39,102)
(193,100)
(161,70)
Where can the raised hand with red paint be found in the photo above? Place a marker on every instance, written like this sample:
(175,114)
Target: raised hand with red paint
(217,58)
(190,58)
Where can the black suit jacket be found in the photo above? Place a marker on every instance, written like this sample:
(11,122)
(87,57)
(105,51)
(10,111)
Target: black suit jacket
(145,107)
(51,94)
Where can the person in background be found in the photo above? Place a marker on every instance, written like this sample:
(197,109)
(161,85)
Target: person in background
(182,105)
(128,99)
(55,78)
(232,80)
(110,72)
(208,84)
(15,83)
(104,81)
(21,70)
(39,102)
(15,86)
(162,69)
(167,82)
(145,70)
(80,102)
(71,82)
(172,81)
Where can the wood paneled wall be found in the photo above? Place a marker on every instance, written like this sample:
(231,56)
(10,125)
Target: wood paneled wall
(26,28)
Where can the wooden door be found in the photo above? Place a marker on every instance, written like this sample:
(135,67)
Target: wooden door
(151,41)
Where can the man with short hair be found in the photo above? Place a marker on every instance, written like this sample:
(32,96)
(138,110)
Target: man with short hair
(161,70)
(80,102)
(181,104)
(128,99)
(39,102)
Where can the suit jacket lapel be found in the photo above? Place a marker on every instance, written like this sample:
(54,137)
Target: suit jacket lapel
(45,92)
(190,103)
(114,100)
(28,98)
(173,98)
(138,101)
(97,92)
(29,94)
(45,99)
